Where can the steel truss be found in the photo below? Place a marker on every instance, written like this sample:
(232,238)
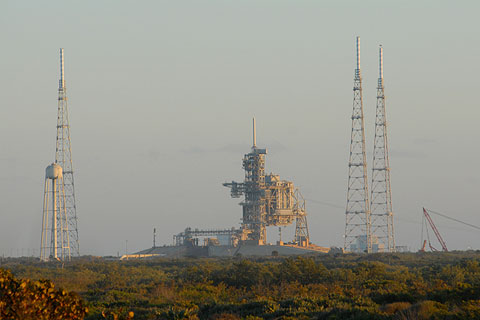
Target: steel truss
(381,196)
(357,224)
(63,158)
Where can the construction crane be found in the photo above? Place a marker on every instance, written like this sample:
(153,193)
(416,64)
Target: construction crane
(422,249)
(435,230)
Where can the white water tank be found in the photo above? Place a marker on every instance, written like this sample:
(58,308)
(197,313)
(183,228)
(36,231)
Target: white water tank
(53,171)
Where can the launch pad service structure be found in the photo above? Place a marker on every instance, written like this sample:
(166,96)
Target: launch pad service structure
(268,201)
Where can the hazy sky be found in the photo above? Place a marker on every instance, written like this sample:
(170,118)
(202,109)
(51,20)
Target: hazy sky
(161,96)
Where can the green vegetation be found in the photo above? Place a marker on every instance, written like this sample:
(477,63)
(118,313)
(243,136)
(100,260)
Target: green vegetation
(36,300)
(377,286)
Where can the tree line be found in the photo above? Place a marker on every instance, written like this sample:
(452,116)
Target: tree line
(377,286)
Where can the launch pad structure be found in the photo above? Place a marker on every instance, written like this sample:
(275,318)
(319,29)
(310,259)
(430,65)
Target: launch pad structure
(270,201)
(267,201)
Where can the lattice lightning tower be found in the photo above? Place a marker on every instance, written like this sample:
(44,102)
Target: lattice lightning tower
(63,157)
(357,225)
(381,197)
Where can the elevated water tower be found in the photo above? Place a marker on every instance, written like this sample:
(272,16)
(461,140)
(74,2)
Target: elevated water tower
(55,243)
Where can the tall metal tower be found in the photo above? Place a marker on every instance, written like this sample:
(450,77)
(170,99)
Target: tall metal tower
(63,158)
(302,235)
(357,225)
(254,208)
(381,197)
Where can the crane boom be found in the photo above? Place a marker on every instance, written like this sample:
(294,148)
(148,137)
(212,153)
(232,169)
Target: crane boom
(435,230)
(422,249)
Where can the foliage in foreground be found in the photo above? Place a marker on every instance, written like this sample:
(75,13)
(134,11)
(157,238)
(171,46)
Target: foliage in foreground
(25,299)
(387,286)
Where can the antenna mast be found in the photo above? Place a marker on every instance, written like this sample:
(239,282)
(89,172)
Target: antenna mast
(357,225)
(381,196)
(254,134)
(63,157)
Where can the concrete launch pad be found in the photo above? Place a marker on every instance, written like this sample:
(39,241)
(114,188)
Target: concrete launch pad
(226,251)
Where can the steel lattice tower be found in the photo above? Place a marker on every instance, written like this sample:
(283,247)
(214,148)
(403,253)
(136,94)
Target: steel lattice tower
(301,226)
(357,225)
(381,196)
(63,157)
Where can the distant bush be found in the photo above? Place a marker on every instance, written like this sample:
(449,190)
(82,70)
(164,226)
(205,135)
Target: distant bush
(425,310)
(395,307)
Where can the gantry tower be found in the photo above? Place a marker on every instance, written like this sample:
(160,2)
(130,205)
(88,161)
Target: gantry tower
(63,158)
(269,201)
(254,208)
(357,225)
(381,196)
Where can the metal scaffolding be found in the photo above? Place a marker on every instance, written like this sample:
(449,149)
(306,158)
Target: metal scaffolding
(190,236)
(357,223)
(381,196)
(269,201)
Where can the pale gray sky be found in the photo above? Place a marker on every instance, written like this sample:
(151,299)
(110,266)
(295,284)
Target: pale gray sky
(161,95)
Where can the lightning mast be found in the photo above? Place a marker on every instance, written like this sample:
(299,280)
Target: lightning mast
(357,225)
(63,157)
(381,196)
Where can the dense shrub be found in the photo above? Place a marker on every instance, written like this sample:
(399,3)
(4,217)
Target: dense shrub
(377,286)
(25,299)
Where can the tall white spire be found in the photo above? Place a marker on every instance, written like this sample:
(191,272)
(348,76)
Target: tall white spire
(61,82)
(254,134)
(358,53)
(380,65)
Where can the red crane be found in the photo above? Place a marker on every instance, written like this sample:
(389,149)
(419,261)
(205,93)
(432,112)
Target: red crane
(437,234)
